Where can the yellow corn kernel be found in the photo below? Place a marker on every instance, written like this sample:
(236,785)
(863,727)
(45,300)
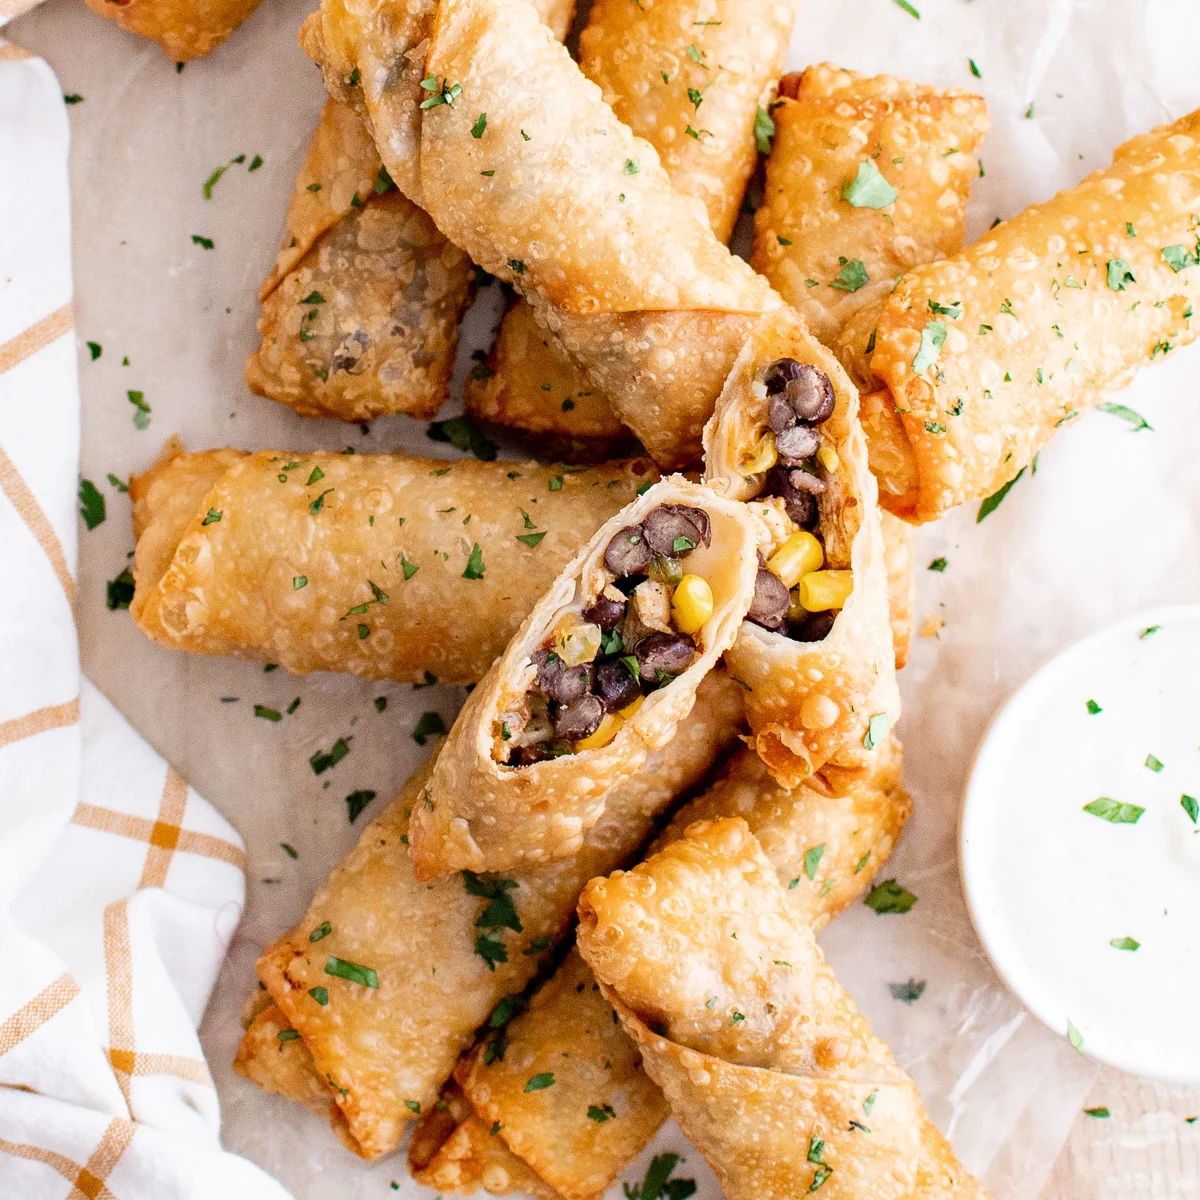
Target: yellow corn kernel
(630,710)
(796,611)
(799,555)
(692,603)
(610,726)
(821,591)
(760,457)
(827,456)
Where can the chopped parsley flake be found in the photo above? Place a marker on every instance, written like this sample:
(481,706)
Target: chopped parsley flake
(1124,943)
(1153,763)
(907,993)
(1114,811)
(429,724)
(869,189)
(322,931)
(764,130)
(933,338)
(877,729)
(1093,707)
(1135,419)
(994,501)
(356,802)
(600,1113)
(540,1082)
(851,277)
(474,568)
(1119,274)
(204,242)
(120,591)
(1191,806)
(268,714)
(462,433)
(323,761)
(889,897)
(658,1184)
(1074,1036)
(91,500)
(939,564)
(812,860)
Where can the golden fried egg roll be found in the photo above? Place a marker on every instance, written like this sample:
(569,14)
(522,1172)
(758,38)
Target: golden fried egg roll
(557,197)
(185,29)
(898,557)
(360,315)
(387,979)
(827,255)
(599,675)
(815,652)
(771,1072)
(690,79)
(383,566)
(986,354)
(601,1108)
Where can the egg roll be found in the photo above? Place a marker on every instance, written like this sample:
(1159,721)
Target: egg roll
(601,1109)
(360,315)
(815,653)
(387,979)
(690,80)
(380,565)
(185,29)
(767,1065)
(554,195)
(598,676)
(830,256)
(986,354)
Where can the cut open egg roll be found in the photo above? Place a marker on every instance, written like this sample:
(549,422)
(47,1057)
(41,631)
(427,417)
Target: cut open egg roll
(771,1072)
(832,245)
(598,676)
(386,979)
(984,355)
(360,315)
(690,79)
(380,565)
(185,29)
(601,1109)
(815,653)
(557,197)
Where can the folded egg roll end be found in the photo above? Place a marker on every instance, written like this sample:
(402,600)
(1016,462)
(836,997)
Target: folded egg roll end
(185,29)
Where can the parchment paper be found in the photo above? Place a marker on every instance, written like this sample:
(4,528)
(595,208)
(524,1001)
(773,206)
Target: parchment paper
(1105,527)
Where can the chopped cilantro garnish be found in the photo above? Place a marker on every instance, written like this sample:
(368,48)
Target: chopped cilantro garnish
(994,501)
(323,761)
(869,189)
(877,729)
(268,714)
(933,338)
(212,517)
(600,1113)
(540,1082)
(92,507)
(764,130)
(907,993)
(1124,943)
(429,724)
(1135,419)
(356,802)
(889,897)
(851,277)
(1119,274)
(120,590)
(1114,811)
(322,931)
(474,568)
(205,242)
(463,434)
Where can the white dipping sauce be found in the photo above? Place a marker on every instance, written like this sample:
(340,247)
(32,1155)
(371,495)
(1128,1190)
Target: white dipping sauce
(1051,887)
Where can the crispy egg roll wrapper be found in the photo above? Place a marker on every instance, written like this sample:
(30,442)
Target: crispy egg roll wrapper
(185,29)
(452,1149)
(1051,322)
(529,386)
(275,581)
(627,49)
(379,1048)
(483,815)
(827,122)
(810,704)
(898,555)
(360,315)
(764,1060)
(568,1028)
(640,292)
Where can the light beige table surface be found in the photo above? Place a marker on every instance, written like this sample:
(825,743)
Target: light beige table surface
(1145,1151)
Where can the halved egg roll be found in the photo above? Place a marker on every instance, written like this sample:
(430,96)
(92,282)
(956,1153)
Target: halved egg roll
(598,677)
(815,652)
(765,1062)
(556,197)
(601,1109)
(185,29)
(360,315)
(831,244)
(689,80)
(986,354)
(387,979)
(379,565)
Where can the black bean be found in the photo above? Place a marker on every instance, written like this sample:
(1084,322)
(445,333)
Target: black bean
(771,600)
(579,719)
(557,681)
(801,505)
(628,553)
(668,653)
(780,414)
(616,686)
(806,388)
(793,446)
(605,612)
(676,528)
(814,628)
(526,756)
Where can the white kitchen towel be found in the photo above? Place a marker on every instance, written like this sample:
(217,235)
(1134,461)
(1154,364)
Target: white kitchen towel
(120,888)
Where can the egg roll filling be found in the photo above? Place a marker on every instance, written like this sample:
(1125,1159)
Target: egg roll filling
(634,635)
(801,586)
